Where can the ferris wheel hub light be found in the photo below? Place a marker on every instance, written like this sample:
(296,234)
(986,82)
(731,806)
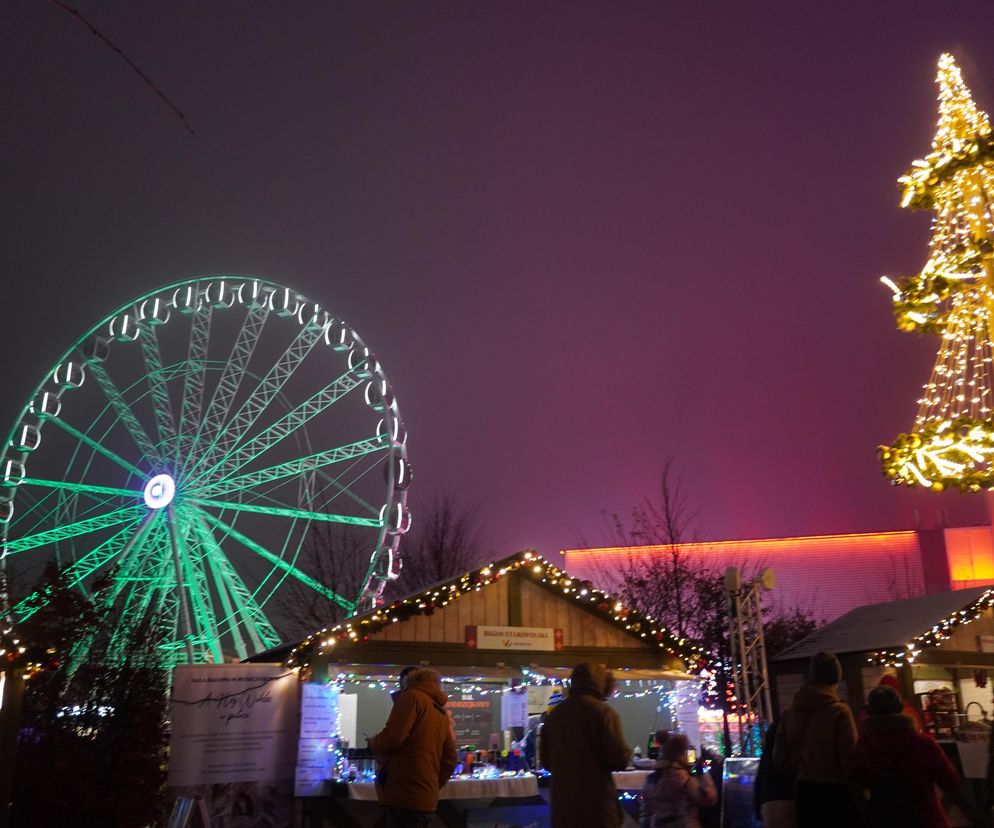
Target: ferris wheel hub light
(159,491)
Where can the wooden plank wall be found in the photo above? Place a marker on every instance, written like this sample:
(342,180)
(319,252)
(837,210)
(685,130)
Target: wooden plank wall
(448,624)
(541,608)
(489,607)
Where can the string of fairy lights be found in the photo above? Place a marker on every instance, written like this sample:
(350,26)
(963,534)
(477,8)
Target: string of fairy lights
(952,440)
(357,629)
(934,636)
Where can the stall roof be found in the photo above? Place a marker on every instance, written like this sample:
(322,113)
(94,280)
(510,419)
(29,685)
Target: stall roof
(624,630)
(891,625)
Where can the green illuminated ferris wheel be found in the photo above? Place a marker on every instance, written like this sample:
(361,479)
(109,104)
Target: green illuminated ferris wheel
(187,444)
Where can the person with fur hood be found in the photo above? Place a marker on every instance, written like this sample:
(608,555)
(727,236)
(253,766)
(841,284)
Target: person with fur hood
(815,741)
(581,744)
(899,767)
(416,751)
(672,796)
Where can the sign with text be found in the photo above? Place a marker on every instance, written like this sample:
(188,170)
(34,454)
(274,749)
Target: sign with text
(232,723)
(543,639)
(473,718)
(318,732)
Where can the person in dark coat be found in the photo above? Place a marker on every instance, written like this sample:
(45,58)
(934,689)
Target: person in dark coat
(773,794)
(582,743)
(416,751)
(815,742)
(890,745)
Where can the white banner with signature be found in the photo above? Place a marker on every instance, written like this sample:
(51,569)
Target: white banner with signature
(232,723)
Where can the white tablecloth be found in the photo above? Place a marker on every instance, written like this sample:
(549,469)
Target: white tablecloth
(630,780)
(465,788)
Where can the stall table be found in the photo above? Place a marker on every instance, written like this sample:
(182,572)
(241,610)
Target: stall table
(469,788)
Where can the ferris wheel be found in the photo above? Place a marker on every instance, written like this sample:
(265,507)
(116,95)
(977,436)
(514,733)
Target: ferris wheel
(186,446)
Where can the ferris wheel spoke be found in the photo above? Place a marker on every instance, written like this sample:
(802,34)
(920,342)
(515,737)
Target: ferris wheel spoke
(345,488)
(191,407)
(73,530)
(292,468)
(138,606)
(212,423)
(277,511)
(164,422)
(80,488)
(97,447)
(198,591)
(119,544)
(260,398)
(123,410)
(241,455)
(278,562)
(240,604)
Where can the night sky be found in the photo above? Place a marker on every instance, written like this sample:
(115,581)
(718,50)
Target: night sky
(580,237)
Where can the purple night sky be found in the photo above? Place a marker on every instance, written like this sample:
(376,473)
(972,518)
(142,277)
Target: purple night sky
(580,236)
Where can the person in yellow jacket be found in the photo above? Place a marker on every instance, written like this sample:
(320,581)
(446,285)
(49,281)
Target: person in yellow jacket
(416,751)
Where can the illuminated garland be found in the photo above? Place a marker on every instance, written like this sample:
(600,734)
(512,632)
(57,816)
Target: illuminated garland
(934,636)
(356,630)
(952,441)
(927,175)
(956,452)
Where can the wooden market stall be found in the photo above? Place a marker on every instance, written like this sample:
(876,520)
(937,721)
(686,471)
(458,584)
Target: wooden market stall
(941,649)
(518,621)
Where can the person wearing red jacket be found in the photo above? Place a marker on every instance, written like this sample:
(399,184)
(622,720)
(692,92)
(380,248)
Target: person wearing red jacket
(416,751)
(891,753)
(907,708)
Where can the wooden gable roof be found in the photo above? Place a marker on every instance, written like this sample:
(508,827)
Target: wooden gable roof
(894,631)
(523,590)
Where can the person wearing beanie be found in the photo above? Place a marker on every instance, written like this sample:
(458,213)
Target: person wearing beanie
(582,743)
(815,741)
(907,708)
(897,768)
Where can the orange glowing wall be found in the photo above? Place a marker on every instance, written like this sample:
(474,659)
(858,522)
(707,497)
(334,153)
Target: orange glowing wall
(970,552)
(827,574)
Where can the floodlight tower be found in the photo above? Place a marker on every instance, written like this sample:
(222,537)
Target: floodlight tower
(749,673)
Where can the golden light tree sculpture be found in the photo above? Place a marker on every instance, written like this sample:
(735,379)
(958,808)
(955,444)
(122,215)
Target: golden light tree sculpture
(952,440)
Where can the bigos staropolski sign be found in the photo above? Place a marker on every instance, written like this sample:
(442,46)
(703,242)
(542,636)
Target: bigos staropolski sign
(542,639)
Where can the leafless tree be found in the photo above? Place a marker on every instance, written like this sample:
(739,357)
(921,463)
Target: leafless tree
(685,592)
(444,542)
(335,555)
(661,585)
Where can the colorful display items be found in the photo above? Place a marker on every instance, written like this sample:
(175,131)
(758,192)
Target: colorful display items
(185,445)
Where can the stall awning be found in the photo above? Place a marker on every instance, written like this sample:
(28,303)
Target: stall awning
(391,672)
(642,674)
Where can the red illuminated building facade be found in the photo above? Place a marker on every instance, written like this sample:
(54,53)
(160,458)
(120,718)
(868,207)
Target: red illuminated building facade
(827,574)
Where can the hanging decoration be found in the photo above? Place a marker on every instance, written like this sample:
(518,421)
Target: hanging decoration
(952,440)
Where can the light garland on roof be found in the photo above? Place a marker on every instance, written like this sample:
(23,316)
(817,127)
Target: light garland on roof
(357,630)
(939,632)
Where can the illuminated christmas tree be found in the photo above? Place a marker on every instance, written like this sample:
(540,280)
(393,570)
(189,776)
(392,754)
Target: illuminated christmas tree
(952,441)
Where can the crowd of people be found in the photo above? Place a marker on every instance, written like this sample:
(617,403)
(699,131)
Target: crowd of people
(818,766)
